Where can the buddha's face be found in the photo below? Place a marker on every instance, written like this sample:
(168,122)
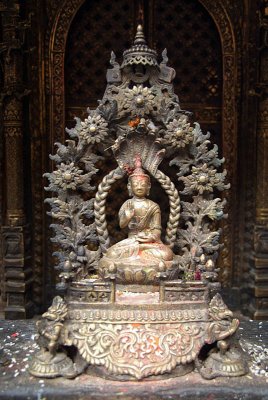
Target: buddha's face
(140,186)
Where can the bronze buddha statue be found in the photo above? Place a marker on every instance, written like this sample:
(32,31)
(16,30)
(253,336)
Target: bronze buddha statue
(138,258)
(137,318)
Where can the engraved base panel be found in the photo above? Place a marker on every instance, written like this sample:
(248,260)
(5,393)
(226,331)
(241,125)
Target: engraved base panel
(138,334)
(138,349)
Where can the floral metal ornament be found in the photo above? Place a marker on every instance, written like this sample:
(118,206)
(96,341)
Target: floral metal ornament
(139,101)
(94,129)
(67,176)
(202,179)
(179,133)
(198,209)
(146,305)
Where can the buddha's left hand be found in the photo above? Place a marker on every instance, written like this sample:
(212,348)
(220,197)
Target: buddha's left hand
(142,238)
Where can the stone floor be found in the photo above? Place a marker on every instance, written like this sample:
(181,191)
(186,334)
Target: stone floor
(17,346)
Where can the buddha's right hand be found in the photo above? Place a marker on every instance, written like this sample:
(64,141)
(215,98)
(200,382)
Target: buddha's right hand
(129,212)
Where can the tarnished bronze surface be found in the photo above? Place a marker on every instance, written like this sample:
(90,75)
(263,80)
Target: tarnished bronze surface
(134,338)
(225,17)
(166,324)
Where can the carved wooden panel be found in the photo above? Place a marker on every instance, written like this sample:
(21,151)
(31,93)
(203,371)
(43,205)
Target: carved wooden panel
(194,50)
(2,288)
(98,28)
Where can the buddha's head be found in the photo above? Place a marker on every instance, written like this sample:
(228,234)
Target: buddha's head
(139,186)
(139,183)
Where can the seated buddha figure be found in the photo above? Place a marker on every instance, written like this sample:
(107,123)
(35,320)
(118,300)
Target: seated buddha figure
(142,254)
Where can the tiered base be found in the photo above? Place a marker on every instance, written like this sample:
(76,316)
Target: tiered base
(141,334)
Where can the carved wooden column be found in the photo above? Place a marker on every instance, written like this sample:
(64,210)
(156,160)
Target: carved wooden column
(261,221)
(15,232)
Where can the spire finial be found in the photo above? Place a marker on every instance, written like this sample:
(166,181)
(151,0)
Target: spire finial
(139,38)
(139,52)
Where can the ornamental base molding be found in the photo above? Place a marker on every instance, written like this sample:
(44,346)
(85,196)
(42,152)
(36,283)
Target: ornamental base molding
(138,335)
(45,365)
(101,372)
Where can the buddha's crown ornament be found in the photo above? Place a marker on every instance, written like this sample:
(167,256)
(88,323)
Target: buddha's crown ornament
(139,53)
(138,172)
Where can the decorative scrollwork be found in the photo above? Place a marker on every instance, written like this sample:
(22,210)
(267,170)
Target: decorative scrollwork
(138,350)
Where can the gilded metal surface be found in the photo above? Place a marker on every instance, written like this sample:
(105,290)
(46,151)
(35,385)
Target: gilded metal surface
(227,364)
(144,121)
(139,53)
(138,351)
(51,361)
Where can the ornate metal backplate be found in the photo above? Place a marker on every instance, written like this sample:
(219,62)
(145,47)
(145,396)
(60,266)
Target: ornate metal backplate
(151,307)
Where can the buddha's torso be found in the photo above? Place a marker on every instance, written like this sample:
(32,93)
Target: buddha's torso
(144,211)
(143,246)
(141,206)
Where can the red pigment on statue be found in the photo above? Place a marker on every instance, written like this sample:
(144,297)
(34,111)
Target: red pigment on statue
(197,275)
